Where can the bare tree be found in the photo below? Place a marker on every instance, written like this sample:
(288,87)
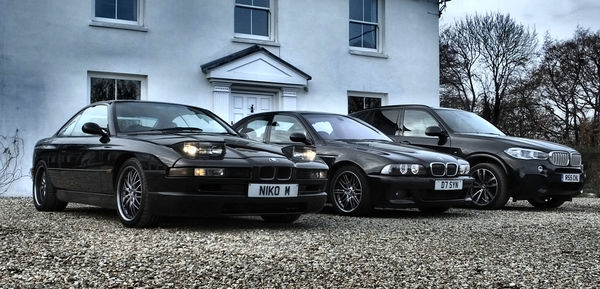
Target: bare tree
(482,59)
(11,152)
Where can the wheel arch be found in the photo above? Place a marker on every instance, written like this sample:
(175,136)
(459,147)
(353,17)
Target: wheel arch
(487,158)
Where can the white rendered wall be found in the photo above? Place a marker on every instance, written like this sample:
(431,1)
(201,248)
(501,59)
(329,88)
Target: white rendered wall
(47,48)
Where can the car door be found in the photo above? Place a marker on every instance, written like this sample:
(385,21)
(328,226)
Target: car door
(412,123)
(83,159)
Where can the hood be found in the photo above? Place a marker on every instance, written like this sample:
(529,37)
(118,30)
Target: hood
(236,147)
(396,151)
(511,141)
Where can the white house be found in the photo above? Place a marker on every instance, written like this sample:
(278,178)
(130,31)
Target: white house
(234,57)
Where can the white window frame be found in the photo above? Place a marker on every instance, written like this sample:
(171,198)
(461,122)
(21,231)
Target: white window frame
(272,11)
(380,33)
(124,23)
(381,95)
(117,76)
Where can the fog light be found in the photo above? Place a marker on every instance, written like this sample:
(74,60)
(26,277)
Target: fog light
(540,169)
(209,172)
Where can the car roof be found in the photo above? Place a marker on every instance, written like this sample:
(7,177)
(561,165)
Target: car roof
(406,106)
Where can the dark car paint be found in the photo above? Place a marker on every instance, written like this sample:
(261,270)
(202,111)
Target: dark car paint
(371,157)
(83,169)
(526,182)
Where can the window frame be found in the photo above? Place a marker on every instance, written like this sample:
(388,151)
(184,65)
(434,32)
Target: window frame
(116,76)
(119,23)
(379,33)
(272,17)
(364,95)
(402,126)
(75,119)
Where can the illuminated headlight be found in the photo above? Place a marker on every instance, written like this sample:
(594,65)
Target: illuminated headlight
(403,169)
(209,172)
(304,153)
(526,154)
(463,168)
(194,150)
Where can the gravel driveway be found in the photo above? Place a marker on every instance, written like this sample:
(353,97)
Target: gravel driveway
(518,247)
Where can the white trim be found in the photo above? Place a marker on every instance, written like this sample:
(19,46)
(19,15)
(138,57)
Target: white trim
(119,23)
(272,30)
(111,75)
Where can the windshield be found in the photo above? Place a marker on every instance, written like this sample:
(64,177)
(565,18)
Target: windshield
(148,116)
(338,127)
(461,121)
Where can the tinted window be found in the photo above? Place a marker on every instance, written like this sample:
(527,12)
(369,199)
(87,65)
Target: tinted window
(332,127)
(143,116)
(97,114)
(386,121)
(283,127)
(467,122)
(67,130)
(416,121)
(255,128)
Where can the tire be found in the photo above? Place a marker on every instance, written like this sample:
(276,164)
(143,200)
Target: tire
(349,192)
(280,218)
(44,194)
(489,187)
(433,210)
(546,202)
(133,205)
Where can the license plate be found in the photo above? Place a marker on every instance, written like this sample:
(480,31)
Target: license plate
(448,185)
(272,190)
(570,178)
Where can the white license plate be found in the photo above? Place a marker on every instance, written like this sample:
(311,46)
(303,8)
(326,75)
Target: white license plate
(272,190)
(448,185)
(570,178)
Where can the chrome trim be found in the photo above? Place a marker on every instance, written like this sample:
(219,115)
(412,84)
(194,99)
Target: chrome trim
(455,173)
(559,158)
(437,163)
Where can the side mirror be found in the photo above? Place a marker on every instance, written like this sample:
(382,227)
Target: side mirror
(94,128)
(300,137)
(434,131)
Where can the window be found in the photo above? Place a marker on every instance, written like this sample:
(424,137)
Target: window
(386,121)
(97,114)
(342,127)
(356,103)
(416,122)
(112,87)
(283,126)
(118,11)
(365,27)
(253,19)
(255,128)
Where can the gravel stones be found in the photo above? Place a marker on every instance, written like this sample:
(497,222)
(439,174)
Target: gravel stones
(518,247)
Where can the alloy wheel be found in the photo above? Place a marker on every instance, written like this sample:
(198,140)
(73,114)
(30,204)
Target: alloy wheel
(41,187)
(130,193)
(347,191)
(485,187)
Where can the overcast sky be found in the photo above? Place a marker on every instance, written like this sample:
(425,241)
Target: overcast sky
(558,17)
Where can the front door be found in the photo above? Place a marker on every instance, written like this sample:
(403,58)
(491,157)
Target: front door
(244,104)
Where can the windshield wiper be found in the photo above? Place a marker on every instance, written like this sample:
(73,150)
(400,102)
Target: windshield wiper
(179,129)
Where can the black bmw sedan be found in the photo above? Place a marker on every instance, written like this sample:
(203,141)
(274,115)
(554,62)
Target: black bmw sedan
(367,169)
(544,173)
(149,159)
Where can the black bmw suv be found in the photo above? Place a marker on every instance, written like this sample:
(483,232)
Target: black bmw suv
(544,173)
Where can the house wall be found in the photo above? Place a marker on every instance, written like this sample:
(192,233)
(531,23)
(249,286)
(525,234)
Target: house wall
(48,47)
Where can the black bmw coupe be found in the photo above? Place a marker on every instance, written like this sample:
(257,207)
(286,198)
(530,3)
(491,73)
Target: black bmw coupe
(149,159)
(367,169)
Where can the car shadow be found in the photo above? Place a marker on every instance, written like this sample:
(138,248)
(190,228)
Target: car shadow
(387,213)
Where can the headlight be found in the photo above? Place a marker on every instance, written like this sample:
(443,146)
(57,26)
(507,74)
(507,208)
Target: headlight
(463,168)
(195,150)
(403,169)
(526,154)
(304,153)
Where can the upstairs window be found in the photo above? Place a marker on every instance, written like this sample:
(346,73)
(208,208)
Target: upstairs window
(118,11)
(253,19)
(365,28)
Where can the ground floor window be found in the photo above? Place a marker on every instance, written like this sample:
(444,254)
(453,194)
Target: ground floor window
(113,86)
(361,101)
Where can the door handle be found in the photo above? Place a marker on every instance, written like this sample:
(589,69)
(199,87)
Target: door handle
(405,142)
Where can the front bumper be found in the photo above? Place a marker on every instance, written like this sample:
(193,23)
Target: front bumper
(416,192)
(211,196)
(528,182)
